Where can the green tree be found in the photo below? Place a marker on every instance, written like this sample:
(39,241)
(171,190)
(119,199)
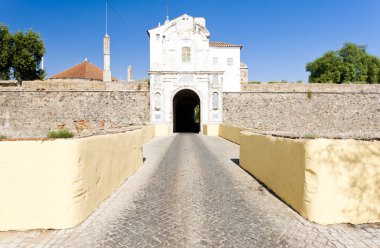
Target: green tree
(326,69)
(349,64)
(355,63)
(373,70)
(6,53)
(29,50)
(20,55)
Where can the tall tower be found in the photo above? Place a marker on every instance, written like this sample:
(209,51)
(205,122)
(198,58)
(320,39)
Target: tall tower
(130,74)
(106,52)
(107,59)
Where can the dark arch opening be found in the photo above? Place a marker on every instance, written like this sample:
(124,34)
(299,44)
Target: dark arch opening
(186,112)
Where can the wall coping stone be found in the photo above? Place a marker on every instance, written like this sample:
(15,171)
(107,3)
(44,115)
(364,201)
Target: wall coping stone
(308,87)
(290,135)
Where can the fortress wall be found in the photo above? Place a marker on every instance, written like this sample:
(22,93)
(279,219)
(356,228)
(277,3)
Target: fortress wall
(25,114)
(293,109)
(339,111)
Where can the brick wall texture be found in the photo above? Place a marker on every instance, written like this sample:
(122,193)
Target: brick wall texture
(30,114)
(335,111)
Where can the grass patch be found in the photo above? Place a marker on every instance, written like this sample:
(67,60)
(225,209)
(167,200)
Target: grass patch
(2,137)
(60,134)
(310,136)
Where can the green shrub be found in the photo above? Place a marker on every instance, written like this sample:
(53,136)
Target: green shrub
(60,134)
(309,94)
(2,137)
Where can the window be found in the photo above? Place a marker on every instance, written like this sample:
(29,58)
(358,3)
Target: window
(186,55)
(157,36)
(230,61)
(214,60)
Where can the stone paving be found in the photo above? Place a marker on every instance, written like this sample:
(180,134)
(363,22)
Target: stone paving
(191,193)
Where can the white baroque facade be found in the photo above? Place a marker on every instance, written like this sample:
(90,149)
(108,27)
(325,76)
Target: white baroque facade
(186,70)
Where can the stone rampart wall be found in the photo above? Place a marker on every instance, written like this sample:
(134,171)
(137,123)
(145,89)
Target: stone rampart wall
(326,110)
(32,113)
(339,111)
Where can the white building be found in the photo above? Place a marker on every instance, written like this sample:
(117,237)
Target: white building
(186,70)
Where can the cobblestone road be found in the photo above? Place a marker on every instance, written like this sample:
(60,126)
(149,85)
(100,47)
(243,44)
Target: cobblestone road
(191,193)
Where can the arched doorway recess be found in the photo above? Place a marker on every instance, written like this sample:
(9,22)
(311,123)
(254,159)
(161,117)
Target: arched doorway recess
(186,112)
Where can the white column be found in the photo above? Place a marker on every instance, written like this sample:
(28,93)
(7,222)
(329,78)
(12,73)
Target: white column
(107,59)
(130,74)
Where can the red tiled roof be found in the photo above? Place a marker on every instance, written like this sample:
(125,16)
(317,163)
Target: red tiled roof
(84,70)
(223,44)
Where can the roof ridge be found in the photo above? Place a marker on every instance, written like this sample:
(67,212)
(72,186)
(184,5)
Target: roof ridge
(83,70)
(223,44)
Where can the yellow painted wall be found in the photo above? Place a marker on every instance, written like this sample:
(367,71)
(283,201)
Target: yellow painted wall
(230,133)
(36,184)
(162,130)
(59,183)
(104,163)
(326,181)
(148,132)
(278,163)
(211,129)
(347,173)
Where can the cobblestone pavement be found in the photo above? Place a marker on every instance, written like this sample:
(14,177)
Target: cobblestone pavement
(191,193)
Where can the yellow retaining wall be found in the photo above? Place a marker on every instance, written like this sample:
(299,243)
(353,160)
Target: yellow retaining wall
(230,133)
(211,129)
(59,183)
(162,130)
(148,132)
(326,181)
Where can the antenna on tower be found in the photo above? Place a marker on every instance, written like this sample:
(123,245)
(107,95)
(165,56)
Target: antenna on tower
(106,17)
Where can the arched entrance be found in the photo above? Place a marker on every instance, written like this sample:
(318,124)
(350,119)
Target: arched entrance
(186,112)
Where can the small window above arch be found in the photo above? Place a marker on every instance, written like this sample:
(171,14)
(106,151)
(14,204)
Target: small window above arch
(186,54)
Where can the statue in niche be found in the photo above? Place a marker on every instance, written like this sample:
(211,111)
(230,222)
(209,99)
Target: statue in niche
(157,101)
(215,100)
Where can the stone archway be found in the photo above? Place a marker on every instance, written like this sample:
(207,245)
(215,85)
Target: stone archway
(186,111)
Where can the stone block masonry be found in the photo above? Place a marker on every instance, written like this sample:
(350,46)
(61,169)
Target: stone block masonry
(31,114)
(334,111)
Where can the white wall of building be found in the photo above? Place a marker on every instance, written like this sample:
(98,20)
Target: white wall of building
(231,75)
(169,73)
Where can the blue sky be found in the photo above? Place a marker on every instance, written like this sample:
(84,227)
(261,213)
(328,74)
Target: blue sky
(279,37)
